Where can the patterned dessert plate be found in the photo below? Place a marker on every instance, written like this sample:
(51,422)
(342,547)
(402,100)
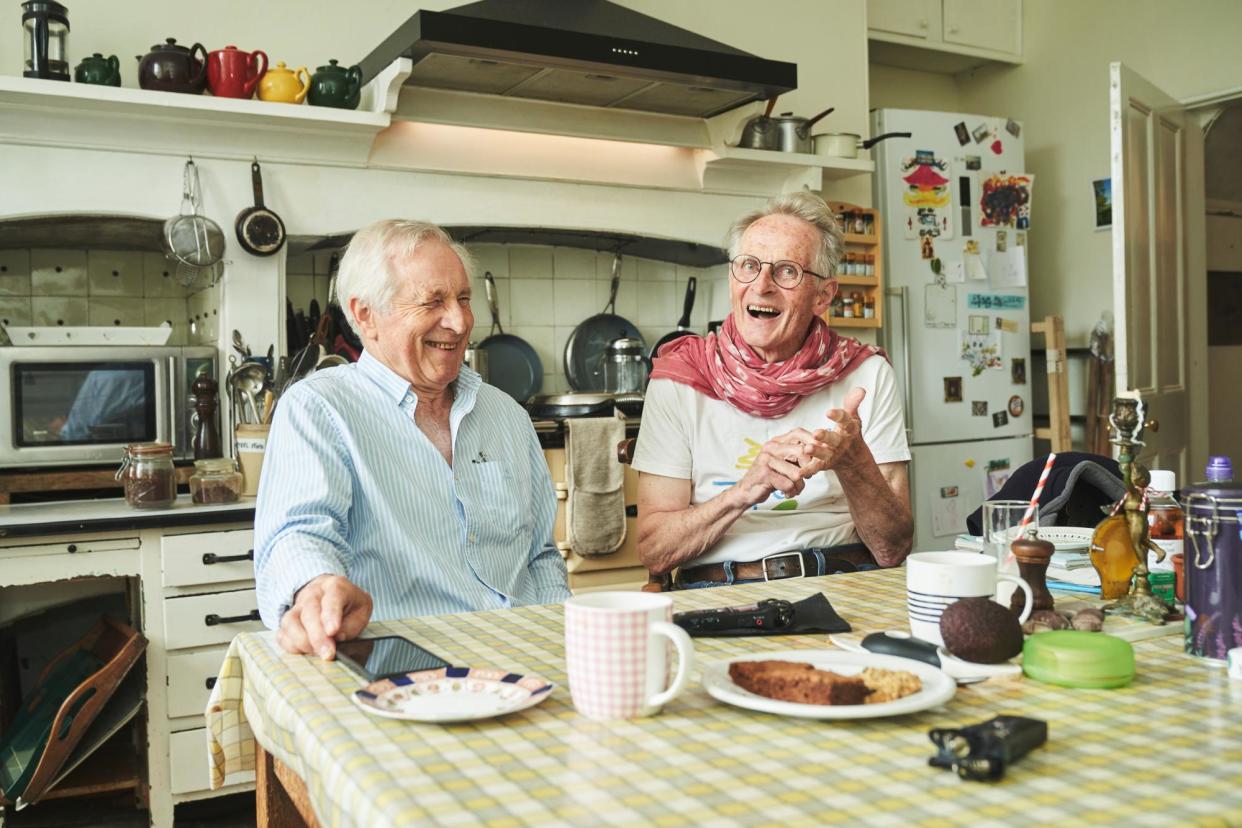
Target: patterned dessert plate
(452,694)
(938,688)
(1067,538)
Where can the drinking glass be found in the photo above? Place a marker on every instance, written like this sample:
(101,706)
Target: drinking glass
(1002,525)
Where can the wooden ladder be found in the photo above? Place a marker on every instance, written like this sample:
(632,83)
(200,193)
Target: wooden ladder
(1058,432)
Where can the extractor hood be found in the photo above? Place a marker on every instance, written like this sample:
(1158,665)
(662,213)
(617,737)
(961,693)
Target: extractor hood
(589,52)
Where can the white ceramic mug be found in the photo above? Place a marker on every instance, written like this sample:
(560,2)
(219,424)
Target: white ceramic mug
(616,651)
(934,580)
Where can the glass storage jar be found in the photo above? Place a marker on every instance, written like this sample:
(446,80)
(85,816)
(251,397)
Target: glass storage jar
(148,476)
(215,480)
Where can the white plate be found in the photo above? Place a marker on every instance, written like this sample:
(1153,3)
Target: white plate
(964,672)
(452,694)
(51,335)
(1067,538)
(938,688)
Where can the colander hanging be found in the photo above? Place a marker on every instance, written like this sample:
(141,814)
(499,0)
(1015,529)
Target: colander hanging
(194,242)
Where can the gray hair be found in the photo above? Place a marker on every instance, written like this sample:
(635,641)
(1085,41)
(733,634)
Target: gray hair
(810,208)
(366,271)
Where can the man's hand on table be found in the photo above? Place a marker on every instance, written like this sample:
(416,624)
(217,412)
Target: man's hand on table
(326,610)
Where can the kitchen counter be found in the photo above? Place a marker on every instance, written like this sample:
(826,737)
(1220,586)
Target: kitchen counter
(32,519)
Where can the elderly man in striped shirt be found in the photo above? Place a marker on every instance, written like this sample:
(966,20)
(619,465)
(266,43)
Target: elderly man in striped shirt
(401,485)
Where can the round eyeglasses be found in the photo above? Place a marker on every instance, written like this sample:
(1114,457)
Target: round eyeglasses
(785,274)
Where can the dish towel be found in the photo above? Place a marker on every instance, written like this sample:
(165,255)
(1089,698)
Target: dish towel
(595,509)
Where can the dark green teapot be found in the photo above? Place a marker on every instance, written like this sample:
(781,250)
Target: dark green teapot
(99,70)
(336,86)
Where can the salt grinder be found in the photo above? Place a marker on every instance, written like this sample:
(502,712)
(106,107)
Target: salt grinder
(206,435)
(1033,557)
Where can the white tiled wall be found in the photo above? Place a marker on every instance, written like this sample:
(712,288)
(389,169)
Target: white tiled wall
(104,288)
(544,292)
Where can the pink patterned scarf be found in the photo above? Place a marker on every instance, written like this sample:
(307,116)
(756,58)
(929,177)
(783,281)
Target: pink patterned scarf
(722,366)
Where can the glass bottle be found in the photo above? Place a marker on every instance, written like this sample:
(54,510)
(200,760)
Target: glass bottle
(1166,519)
(148,475)
(847,308)
(215,480)
(869,308)
(857,299)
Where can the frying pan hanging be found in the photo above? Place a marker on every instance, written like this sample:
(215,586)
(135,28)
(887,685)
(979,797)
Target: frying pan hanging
(587,345)
(260,231)
(512,364)
(683,324)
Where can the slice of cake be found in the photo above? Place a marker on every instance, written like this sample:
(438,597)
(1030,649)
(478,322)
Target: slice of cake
(797,681)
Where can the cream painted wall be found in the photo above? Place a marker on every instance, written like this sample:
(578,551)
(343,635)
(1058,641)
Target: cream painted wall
(894,88)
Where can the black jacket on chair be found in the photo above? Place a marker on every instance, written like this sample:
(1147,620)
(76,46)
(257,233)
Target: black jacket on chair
(1078,485)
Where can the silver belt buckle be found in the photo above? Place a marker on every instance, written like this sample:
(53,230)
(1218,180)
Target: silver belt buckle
(798,555)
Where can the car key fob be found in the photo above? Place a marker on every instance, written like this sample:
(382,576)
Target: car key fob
(895,644)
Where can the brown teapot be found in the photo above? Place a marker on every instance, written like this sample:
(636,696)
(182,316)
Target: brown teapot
(170,67)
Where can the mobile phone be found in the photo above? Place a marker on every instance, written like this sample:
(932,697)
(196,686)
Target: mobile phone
(385,657)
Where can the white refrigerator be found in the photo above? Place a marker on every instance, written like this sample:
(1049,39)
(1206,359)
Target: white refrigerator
(955,201)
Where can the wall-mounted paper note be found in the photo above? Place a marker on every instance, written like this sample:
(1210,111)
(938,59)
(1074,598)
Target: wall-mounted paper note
(940,306)
(1008,268)
(972,262)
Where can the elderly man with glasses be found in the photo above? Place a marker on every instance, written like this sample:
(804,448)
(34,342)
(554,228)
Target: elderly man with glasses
(776,447)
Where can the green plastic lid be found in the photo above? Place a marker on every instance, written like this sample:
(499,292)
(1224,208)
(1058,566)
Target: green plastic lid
(1072,658)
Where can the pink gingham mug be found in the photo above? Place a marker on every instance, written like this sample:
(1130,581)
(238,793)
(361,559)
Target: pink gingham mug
(617,655)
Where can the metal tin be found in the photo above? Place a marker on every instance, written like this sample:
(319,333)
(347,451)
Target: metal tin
(1213,566)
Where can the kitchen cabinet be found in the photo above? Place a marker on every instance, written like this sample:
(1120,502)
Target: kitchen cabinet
(944,35)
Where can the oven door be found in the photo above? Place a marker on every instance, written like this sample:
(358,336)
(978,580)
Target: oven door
(70,406)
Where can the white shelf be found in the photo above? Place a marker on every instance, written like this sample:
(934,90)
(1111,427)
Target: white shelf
(55,113)
(745,171)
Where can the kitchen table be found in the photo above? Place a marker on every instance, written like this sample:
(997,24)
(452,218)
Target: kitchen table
(1166,748)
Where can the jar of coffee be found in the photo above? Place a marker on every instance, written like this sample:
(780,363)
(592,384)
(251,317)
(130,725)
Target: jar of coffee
(148,476)
(215,480)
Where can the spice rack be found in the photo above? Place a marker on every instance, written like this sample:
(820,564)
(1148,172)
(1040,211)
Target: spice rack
(860,274)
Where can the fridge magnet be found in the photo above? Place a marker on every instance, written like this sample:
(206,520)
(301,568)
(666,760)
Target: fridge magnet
(1002,241)
(974,162)
(1013,127)
(1017,370)
(1103,188)
(972,261)
(1019,238)
(997,475)
(927,250)
(981,133)
(977,324)
(953,390)
(997,147)
(1016,406)
(963,136)
(995,301)
(948,491)
(940,306)
(1009,268)
(1007,325)
(1006,200)
(1000,419)
(946,517)
(979,408)
(981,351)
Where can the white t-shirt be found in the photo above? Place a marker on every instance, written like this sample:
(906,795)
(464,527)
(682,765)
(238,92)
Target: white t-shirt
(688,435)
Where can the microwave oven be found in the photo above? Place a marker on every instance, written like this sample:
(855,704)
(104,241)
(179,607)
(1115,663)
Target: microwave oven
(83,405)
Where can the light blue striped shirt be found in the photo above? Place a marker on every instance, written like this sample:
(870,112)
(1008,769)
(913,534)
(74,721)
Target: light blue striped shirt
(351,486)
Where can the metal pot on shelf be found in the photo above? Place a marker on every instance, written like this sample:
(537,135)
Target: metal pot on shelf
(847,144)
(476,358)
(794,132)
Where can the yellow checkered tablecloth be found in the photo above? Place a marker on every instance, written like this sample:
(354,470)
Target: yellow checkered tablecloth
(1167,748)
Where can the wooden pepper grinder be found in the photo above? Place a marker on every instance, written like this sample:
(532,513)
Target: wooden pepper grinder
(206,434)
(1033,556)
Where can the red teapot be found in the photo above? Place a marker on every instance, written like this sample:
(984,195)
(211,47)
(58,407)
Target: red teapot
(233,73)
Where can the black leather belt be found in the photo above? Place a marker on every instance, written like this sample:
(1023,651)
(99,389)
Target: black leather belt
(793,564)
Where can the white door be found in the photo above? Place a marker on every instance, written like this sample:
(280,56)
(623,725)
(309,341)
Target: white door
(1158,264)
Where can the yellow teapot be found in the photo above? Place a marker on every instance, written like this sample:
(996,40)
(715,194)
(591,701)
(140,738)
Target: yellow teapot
(284,85)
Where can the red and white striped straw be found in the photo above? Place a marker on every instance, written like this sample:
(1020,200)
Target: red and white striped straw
(1039,490)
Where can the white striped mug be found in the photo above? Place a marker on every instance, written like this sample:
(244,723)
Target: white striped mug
(934,580)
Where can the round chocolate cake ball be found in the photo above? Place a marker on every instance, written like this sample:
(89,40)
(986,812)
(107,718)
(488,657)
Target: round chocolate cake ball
(980,630)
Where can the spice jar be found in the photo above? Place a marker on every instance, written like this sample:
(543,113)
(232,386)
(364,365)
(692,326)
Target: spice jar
(857,299)
(869,268)
(148,476)
(215,480)
(869,308)
(860,224)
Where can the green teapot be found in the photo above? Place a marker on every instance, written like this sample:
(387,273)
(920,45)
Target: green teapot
(336,86)
(99,70)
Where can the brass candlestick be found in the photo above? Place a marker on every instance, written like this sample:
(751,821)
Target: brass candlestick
(1128,421)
